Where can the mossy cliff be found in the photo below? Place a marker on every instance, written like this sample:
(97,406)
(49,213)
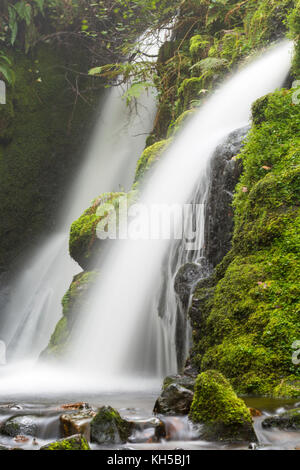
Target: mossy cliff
(41,140)
(210,39)
(246,317)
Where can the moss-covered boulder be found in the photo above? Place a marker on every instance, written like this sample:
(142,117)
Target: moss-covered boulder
(148,158)
(215,405)
(76,442)
(74,301)
(289,420)
(107,427)
(85,245)
(246,320)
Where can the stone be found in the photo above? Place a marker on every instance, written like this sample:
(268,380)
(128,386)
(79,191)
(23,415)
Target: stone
(107,427)
(76,442)
(77,423)
(289,420)
(174,400)
(224,416)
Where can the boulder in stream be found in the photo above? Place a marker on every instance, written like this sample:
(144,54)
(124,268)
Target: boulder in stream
(20,425)
(289,420)
(174,400)
(107,427)
(77,422)
(224,416)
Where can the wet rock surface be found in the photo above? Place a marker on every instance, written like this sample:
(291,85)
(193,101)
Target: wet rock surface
(77,422)
(107,427)
(174,400)
(20,425)
(289,420)
(226,170)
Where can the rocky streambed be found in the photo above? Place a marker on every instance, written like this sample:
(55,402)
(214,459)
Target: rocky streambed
(140,422)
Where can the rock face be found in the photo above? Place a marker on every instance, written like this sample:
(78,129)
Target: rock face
(20,425)
(174,400)
(224,416)
(184,381)
(225,174)
(107,427)
(76,442)
(289,420)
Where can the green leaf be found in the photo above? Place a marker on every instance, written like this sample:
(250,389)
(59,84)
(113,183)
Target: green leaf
(95,71)
(8,74)
(13,25)
(40,4)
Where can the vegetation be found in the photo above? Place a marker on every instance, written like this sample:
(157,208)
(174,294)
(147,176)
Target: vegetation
(250,308)
(216,406)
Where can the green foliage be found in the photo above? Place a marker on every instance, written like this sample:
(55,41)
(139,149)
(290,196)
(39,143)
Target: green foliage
(76,442)
(6,69)
(250,314)
(149,157)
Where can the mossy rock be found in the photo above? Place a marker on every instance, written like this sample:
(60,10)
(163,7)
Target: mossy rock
(215,405)
(180,122)
(74,302)
(289,421)
(246,319)
(76,442)
(149,157)
(107,427)
(84,244)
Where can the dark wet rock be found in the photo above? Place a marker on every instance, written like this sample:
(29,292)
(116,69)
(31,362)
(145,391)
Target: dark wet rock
(224,416)
(77,422)
(107,427)
(20,425)
(184,381)
(225,174)
(174,400)
(289,420)
(187,278)
(147,430)
(76,442)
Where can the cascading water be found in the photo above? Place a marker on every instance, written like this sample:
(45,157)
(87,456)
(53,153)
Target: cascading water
(119,138)
(129,333)
(123,335)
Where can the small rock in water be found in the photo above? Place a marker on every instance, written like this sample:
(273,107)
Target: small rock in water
(255,413)
(77,422)
(252,446)
(35,442)
(21,439)
(76,406)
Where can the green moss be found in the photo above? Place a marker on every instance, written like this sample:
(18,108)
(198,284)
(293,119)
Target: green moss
(76,442)
(247,319)
(288,388)
(215,405)
(176,126)
(108,427)
(74,302)
(148,158)
(84,244)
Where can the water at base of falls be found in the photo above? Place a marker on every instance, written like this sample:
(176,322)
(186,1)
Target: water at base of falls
(122,343)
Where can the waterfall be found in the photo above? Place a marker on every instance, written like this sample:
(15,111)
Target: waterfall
(124,335)
(127,339)
(117,142)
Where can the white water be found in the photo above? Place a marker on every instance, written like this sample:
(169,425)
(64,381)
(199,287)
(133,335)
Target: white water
(118,140)
(122,340)
(122,335)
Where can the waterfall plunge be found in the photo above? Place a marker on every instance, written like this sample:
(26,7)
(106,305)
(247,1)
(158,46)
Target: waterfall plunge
(122,340)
